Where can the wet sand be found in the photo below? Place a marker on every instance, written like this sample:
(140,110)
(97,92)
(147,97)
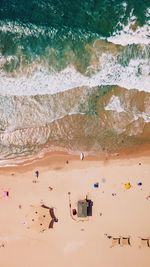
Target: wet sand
(116,212)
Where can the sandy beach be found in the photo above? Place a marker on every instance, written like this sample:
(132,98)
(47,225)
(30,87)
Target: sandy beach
(26,240)
(74,133)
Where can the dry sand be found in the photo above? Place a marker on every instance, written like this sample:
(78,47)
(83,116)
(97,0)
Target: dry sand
(116,212)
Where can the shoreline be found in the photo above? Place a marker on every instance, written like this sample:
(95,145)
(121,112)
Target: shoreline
(53,157)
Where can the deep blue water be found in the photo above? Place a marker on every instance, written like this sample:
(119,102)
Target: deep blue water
(35,25)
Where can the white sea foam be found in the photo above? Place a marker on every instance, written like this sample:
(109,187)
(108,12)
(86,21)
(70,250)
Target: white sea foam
(115,105)
(143,115)
(28,29)
(134,76)
(141,35)
(128,36)
(148,13)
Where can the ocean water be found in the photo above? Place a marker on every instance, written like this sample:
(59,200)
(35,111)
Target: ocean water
(60,58)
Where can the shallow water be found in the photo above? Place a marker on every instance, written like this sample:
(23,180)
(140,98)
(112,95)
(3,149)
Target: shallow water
(61,63)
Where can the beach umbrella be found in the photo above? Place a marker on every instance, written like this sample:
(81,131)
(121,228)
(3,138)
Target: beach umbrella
(127,186)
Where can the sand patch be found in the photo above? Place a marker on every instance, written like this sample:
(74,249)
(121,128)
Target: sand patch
(73,246)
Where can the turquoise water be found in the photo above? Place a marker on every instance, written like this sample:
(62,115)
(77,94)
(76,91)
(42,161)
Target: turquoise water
(57,32)
(91,16)
(48,47)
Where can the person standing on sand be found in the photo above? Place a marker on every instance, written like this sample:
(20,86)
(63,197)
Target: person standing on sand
(37,174)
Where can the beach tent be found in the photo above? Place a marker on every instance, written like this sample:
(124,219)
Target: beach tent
(82,208)
(145,242)
(5,194)
(41,218)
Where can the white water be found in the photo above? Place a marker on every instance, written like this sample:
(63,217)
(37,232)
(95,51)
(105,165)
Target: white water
(26,29)
(143,115)
(134,76)
(115,105)
(126,36)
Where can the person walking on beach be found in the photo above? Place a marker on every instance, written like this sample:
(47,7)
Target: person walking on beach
(37,174)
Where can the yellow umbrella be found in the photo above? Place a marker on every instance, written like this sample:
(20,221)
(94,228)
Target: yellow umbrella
(127,186)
